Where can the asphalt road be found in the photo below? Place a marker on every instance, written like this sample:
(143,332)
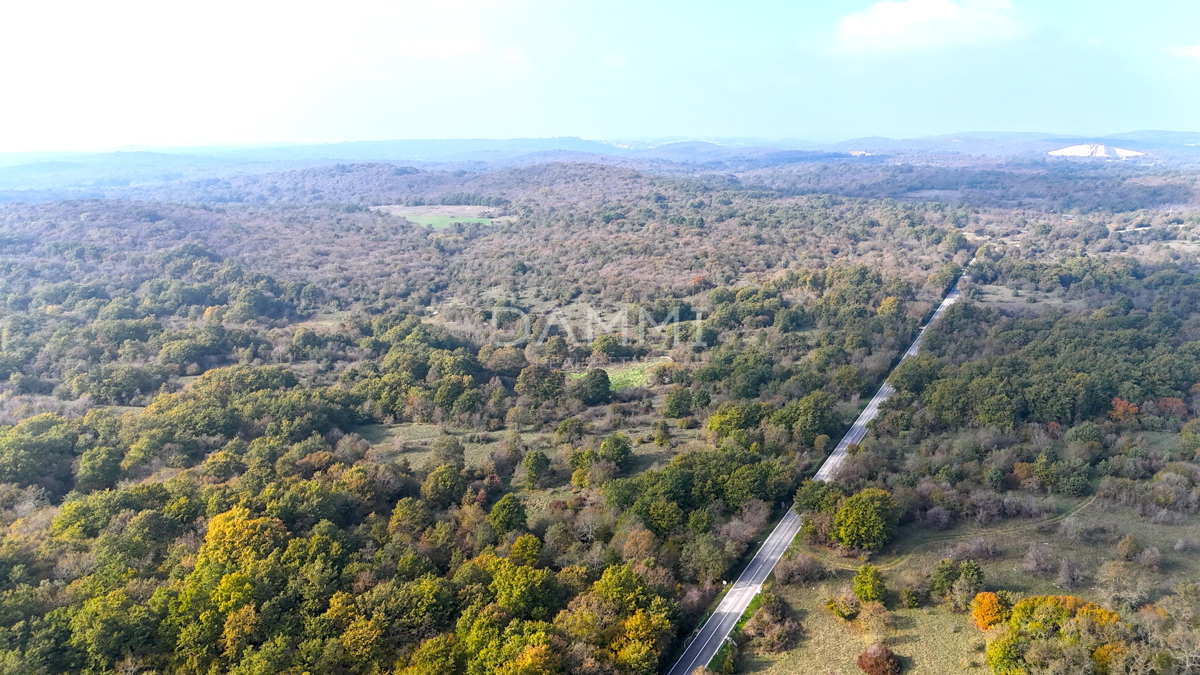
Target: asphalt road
(858,430)
(704,646)
(721,623)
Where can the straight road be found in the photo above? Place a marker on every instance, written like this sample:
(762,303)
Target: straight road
(704,646)
(858,430)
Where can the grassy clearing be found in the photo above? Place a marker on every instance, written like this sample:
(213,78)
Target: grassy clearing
(443,222)
(629,375)
(441,216)
(411,441)
(331,321)
(933,640)
(1003,296)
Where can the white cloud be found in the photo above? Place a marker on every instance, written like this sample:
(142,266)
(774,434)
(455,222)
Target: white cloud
(1192,52)
(916,25)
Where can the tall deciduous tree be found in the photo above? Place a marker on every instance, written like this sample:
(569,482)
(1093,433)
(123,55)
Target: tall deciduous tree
(866,521)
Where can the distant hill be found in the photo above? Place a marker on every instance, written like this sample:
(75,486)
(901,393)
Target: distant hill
(54,175)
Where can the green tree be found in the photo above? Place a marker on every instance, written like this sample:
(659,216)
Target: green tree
(705,559)
(916,373)
(443,486)
(507,514)
(815,416)
(535,463)
(616,448)
(662,516)
(818,496)
(525,591)
(99,468)
(112,626)
(678,402)
(942,580)
(447,449)
(557,349)
(593,388)
(868,584)
(609,346)
(38,451)
(662,433)
(540,383)
(571,429)
(409,519)
(866,521)
(526,549)
(848,381)
(996,411)
(732,417)
(439,655)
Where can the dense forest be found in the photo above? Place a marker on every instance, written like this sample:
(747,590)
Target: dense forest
(258,426)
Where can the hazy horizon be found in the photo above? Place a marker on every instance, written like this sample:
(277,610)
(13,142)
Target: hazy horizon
(814,140)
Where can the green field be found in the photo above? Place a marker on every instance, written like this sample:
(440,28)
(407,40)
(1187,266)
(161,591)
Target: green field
(629,375)
(443,222)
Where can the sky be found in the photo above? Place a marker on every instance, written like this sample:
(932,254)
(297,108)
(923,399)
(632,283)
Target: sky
(86,75)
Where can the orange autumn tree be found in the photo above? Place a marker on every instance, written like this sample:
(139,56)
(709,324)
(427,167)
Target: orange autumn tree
(1123,411)
(1172,407)
(988,610)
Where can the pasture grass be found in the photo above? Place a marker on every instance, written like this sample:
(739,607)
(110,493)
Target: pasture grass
(933,640)
(443,222)
(628,375)
(930,641)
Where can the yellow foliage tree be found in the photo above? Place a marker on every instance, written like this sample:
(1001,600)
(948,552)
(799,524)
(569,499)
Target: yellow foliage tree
(988,610)
(533,660)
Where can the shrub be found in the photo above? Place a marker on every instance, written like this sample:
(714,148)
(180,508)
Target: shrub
(770,630)
(1070,574)
(843,605)
(879,660)
(800,569)
(1038,561)
(1129,547)
(976,549)
(874,620)
(1004,654)
(868,584)
(725,662)
(938,518)
(1150,558)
